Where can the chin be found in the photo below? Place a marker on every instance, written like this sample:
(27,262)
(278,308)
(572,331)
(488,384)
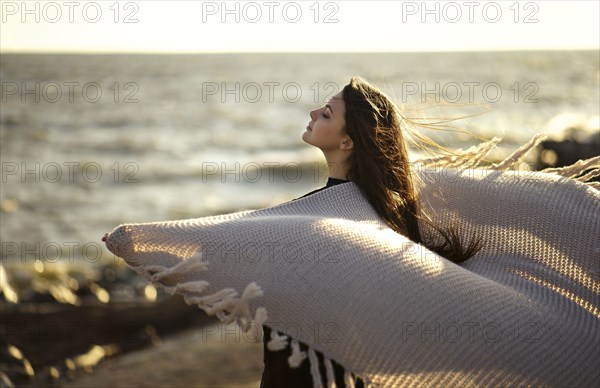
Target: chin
(304,135)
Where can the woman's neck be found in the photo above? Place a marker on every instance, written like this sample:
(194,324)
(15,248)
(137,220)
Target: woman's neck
(337,168)
(337,173)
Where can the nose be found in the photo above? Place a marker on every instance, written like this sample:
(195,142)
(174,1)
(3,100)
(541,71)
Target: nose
(312,114)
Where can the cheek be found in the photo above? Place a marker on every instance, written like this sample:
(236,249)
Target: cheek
(323,131)
(329,127)
(327,136)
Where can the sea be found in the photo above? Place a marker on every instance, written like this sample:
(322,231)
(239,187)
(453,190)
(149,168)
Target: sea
(91,141)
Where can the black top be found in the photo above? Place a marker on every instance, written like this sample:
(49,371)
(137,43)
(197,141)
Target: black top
(330,182)
(277,372)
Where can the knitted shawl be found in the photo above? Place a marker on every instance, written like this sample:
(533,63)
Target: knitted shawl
(328,271)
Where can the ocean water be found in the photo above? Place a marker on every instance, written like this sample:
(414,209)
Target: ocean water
(91,141)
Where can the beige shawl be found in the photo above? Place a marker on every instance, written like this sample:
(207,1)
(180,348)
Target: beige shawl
(327,271)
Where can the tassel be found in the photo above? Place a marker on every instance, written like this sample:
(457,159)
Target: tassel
(277,342)
(589,175)
(480,153)
(471,157)
(576,168)
(297,356)
(195,287)
(225,303)
(212,303)
(432,162)
(241,311)
(348,379)
(159,273)
(330,376)
(253,328)
(260,316)
(519,153)
(314,368)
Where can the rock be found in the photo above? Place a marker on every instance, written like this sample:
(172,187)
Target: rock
(568,146)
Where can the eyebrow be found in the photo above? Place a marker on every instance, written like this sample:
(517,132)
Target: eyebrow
(329,106)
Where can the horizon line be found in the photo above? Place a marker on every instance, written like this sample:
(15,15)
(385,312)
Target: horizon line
(190,52)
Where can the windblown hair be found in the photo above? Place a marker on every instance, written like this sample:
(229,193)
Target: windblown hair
(379,165)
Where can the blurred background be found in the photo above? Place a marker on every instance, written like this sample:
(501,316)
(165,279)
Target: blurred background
(136,111)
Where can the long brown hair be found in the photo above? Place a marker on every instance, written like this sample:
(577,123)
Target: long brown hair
(379,165)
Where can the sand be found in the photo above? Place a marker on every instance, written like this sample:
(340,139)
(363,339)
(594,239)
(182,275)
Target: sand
(203,357)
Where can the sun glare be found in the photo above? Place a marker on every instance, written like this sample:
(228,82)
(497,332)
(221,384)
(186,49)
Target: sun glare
(338,26)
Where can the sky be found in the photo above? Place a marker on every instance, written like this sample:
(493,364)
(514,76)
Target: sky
(296,26)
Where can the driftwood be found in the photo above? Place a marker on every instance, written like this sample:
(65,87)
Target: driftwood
(56,339)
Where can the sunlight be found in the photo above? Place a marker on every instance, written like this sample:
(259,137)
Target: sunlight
(208,26)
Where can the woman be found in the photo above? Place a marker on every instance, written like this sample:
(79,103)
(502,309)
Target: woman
(360,132)
(527,302)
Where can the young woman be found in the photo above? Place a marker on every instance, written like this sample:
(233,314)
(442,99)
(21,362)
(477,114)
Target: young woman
(361,134)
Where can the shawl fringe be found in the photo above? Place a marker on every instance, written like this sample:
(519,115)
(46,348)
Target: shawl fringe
(473,157)
(230,307)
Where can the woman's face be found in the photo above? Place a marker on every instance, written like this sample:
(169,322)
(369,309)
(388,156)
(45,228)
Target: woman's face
(326,127)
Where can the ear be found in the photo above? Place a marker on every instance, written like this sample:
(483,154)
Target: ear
(347,144)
